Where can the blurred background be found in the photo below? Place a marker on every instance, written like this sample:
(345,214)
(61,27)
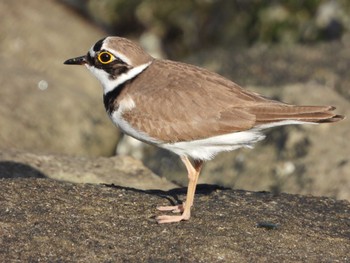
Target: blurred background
(294,51)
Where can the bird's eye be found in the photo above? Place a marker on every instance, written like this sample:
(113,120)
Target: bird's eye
(105,57)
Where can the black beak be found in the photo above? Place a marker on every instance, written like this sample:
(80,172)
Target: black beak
(76,61)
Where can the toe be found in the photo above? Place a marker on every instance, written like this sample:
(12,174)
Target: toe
(174,209)
(169,219)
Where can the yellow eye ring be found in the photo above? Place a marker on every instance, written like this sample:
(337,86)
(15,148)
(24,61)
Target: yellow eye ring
(105,57)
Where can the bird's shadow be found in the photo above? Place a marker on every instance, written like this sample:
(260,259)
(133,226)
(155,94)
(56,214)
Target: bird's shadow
(12,169)
(173,195)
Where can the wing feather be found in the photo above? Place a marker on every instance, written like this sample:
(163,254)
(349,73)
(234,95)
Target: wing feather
(180,102)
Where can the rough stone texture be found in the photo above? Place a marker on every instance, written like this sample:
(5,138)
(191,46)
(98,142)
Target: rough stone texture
(119,170)
(43,220)
(276,66)
(46,106)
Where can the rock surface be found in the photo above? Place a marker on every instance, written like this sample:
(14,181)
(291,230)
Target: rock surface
(43,220)
(46,106)
(119,170)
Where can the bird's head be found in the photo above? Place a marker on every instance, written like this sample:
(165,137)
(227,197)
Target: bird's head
(113,60)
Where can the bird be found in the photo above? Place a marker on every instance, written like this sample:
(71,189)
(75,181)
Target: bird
(186,109)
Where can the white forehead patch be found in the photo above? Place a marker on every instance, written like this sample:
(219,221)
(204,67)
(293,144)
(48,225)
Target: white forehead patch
(92,52)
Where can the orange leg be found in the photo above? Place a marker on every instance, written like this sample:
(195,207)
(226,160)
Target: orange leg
(193,174)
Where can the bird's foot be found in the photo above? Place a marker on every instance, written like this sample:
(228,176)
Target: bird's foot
(175,218)
(171,219)
(172,208)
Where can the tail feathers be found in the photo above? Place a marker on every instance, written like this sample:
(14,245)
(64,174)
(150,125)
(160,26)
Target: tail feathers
(312,114)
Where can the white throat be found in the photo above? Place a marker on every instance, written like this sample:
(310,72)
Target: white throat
(108,84)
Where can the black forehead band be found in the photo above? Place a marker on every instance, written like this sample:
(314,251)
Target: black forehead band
(98,45)
(89,59)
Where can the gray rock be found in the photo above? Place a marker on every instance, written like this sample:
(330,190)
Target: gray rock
(50,221)
(46,106)
(119,170)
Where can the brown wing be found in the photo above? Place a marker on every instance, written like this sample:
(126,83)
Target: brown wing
(180,102)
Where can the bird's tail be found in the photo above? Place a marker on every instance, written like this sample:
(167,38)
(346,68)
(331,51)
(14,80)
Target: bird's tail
(285,112)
